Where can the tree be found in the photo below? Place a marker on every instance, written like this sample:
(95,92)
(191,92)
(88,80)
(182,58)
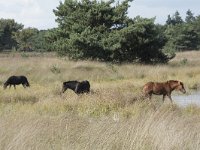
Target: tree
(32,39)
(102,30)
(189,17)
(141,41)
(181,37)
(169,20)
(196,28)
(51,38)
(39,41)
(174,20)
(177,18)
(24,39)
(7,28)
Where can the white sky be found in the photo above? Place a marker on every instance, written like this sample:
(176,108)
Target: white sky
(39,14)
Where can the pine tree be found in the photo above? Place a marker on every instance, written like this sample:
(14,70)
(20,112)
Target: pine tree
(189,17)
(177,18)
(91,29)
(169,20)
(7,28)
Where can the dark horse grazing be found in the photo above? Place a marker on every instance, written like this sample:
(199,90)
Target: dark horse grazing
(77,87)
(163,88)
(16,80)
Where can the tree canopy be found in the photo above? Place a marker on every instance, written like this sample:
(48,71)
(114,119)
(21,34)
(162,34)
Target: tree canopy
(7,28)
(102,30)
(181,35)
(31,39)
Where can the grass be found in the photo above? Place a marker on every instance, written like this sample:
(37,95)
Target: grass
(113,116)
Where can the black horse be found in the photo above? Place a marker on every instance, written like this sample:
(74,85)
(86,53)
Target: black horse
(77,87)
(16,80)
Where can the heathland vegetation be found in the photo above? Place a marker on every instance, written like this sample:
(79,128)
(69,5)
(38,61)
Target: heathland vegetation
(112,117)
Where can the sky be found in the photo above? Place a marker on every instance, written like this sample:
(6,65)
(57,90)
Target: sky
(39,13)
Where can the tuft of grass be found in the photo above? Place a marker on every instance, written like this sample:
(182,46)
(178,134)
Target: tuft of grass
(192,110)
(24,55)
(184,61)
(55,69)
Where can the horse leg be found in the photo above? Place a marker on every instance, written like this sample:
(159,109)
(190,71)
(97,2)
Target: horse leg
(146,95)
(77,90)
(64,89)
(9,86)
(170,98)
(149,96)
(164,98)
(14,86)
(24,85)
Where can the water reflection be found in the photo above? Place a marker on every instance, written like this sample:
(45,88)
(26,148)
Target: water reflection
(184,100)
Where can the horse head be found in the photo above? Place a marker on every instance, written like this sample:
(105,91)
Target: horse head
(180,87)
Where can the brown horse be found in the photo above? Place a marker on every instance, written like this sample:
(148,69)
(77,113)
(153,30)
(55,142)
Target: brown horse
(163,88)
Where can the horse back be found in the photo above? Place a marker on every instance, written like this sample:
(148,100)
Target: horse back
(17,80)
(148,87)
(70,84)
(161,88)
(83,87)
(86,84)
(156,88)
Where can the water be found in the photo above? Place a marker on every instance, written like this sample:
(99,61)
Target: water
(185,100)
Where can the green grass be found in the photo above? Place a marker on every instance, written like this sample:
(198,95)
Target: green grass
(113,116)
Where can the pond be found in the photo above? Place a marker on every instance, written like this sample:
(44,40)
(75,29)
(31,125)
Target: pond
(184,100)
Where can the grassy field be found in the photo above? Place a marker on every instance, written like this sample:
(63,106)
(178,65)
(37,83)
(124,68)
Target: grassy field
(113,116)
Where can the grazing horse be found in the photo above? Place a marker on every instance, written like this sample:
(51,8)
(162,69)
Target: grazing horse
(16,80)
(163,88)
(77,87)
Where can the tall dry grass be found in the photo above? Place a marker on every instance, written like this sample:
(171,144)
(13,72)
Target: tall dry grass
(113,116)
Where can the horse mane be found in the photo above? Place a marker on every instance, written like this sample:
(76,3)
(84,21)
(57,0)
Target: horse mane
(172,81)
(71,81)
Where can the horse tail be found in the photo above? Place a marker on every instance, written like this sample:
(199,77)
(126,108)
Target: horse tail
(64,88)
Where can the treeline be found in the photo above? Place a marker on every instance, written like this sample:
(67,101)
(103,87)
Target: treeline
(102,30)
(182,34)
(13,36)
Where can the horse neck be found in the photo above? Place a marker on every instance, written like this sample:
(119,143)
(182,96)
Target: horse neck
(173,85)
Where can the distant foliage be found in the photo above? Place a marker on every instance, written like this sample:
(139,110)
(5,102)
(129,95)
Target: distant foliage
(51,36)
(7,28)
(189,17)
(182,36)
(31,39)
(14,36)
(23,39)
(175,19)
(39,41)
